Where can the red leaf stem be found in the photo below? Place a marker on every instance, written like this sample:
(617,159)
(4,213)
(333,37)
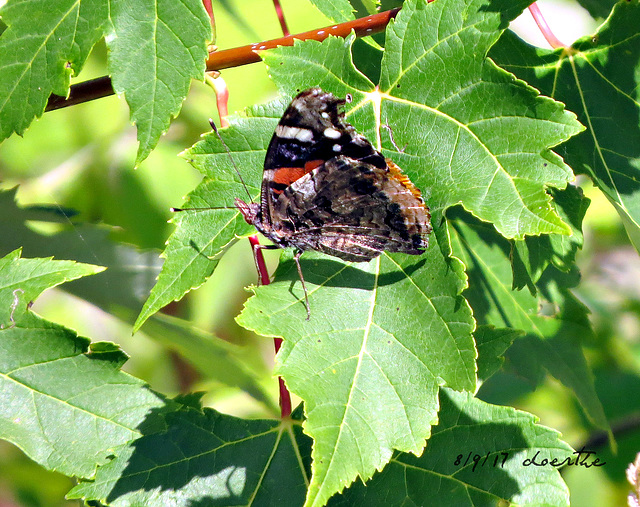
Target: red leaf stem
(280,13)
(209,8)
(263,277)
(553,41)
(263,274)
(222,96)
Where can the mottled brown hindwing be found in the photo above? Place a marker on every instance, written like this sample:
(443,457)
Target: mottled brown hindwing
(354,211)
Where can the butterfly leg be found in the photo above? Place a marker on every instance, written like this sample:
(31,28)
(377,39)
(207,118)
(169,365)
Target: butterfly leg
(259,261)
(296,258)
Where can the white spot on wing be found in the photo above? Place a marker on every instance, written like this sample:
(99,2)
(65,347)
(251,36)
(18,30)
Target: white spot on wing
(301,134)
(331,133)
(304,135)
(337,147)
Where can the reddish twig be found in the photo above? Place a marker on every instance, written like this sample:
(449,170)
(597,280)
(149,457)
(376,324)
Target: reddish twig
(222,95)
(248,54)
(553,41)
(234,57)
(263,277)
(280,13)
(209,8)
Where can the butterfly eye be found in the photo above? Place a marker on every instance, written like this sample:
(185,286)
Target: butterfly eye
(349,98)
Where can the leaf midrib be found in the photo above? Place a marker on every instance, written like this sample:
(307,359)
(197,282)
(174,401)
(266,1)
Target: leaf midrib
(366,332)
(34,391)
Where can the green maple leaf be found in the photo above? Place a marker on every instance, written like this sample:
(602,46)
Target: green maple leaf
(433,94)
(63,403)
(381,339)
(156,48)
(555,338)
(598,79)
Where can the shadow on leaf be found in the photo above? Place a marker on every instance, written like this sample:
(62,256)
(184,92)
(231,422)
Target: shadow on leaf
(202,457)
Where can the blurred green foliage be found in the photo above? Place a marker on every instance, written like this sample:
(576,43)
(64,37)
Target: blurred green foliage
(82,158)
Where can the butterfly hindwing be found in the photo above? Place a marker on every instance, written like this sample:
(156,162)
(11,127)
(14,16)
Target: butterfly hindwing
(353,210)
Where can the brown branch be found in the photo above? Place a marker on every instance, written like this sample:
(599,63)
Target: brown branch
(248,54)
(234,57)
(82,92)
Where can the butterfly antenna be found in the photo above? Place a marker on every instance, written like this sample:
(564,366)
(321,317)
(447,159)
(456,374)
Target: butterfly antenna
(177,210)
(215,129)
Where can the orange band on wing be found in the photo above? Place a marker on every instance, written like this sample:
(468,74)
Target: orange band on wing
(287,175)
(312,164)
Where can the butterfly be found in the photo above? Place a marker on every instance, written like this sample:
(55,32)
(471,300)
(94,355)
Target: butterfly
(325,188)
